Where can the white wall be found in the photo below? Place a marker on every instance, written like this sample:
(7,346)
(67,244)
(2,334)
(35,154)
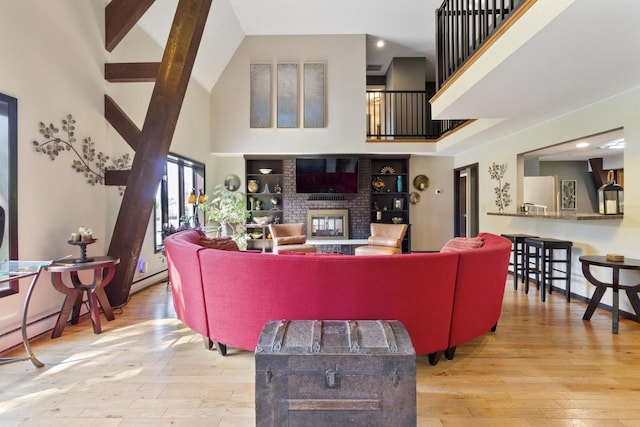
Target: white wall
(589,237)
(53,61)
(344,58)
(432,217)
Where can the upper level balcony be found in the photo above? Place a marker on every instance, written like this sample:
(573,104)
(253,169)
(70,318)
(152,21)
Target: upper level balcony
(404,115)
(464,27)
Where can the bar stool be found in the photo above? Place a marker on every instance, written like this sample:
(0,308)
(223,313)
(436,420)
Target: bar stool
(540,261)
(517,250)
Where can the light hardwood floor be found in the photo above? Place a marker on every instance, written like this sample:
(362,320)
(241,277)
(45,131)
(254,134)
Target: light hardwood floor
(544,366)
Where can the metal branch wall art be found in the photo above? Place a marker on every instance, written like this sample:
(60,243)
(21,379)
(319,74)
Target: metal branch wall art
(55,144)
(503,199)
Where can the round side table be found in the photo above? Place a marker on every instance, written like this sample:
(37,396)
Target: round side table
(104,268)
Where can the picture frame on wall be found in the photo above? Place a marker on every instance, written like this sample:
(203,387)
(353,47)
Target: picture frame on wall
(568,197)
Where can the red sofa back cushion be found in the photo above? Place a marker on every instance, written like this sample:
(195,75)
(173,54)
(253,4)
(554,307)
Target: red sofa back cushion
(244,291)
(222,243)
(462,244)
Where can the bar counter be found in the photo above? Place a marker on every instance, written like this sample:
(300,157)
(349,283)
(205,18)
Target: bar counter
(574,216)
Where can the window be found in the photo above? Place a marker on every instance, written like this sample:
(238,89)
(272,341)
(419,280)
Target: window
(173,210)
(8,186)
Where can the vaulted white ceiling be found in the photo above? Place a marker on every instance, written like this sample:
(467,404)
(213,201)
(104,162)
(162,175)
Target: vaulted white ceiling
(406,26)
(571,53)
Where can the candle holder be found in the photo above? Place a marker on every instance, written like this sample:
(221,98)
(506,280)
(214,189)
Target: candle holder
(83,249)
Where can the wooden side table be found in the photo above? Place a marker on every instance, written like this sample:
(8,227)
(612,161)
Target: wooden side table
(601,287)
(104,268)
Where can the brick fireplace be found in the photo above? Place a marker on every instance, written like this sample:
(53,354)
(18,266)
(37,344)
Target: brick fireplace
(357,205)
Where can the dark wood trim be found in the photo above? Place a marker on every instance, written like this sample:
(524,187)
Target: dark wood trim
(120,16)
(131,72)
(154,143)
(597,172)
(121,122)
(11,211)
(472,208)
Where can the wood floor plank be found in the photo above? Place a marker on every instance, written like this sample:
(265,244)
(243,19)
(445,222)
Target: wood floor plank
(544,366)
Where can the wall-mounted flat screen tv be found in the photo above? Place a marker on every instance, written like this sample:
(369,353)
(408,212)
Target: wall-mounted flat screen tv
(327,175)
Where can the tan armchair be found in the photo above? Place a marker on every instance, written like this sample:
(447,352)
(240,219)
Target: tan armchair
(290,237)
(385,239)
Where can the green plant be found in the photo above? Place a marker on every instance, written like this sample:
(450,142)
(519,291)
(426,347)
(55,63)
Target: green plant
(229,209)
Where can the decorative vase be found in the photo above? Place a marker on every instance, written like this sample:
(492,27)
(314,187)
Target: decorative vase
(266,189)
(253,186)
(399,185)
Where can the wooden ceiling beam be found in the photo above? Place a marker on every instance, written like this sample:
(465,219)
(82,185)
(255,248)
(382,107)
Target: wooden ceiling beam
(154,143)
(131,72)
(120,17)
(121,122)
(116,177)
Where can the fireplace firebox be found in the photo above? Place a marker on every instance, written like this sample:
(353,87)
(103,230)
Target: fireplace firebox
(328,224)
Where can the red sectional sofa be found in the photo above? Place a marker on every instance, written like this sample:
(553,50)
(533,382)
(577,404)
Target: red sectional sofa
(443,299)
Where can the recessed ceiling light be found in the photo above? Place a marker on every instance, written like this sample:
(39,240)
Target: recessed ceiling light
(380,43)
(615,144)
(582,144)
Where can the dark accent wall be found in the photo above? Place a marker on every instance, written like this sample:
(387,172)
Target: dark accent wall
(296,205)
(586,192)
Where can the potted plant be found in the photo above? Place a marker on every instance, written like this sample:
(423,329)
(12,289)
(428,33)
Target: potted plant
(228,209)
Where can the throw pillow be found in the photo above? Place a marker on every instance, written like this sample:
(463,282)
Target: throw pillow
(222,243)
(462,244)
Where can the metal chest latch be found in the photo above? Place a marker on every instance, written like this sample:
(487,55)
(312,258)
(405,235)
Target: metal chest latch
(332,378)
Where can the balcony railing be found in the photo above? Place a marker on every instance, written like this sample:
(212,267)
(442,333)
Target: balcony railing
(403,114)
(462,26)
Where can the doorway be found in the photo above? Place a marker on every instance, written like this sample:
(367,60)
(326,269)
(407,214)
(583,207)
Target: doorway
(466,223)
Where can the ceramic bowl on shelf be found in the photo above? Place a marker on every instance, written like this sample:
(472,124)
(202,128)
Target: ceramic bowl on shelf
(256,235)
(265,171)
(262,220)
(397,220)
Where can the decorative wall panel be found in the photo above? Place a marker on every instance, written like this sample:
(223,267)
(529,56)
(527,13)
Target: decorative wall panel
(260,109)
(314,101)
(287,95)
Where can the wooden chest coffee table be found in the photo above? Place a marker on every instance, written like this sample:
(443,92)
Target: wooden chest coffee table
(319,373)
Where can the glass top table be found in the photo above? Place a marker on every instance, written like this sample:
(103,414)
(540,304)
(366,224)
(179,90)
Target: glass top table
(11,270)
(15,270)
